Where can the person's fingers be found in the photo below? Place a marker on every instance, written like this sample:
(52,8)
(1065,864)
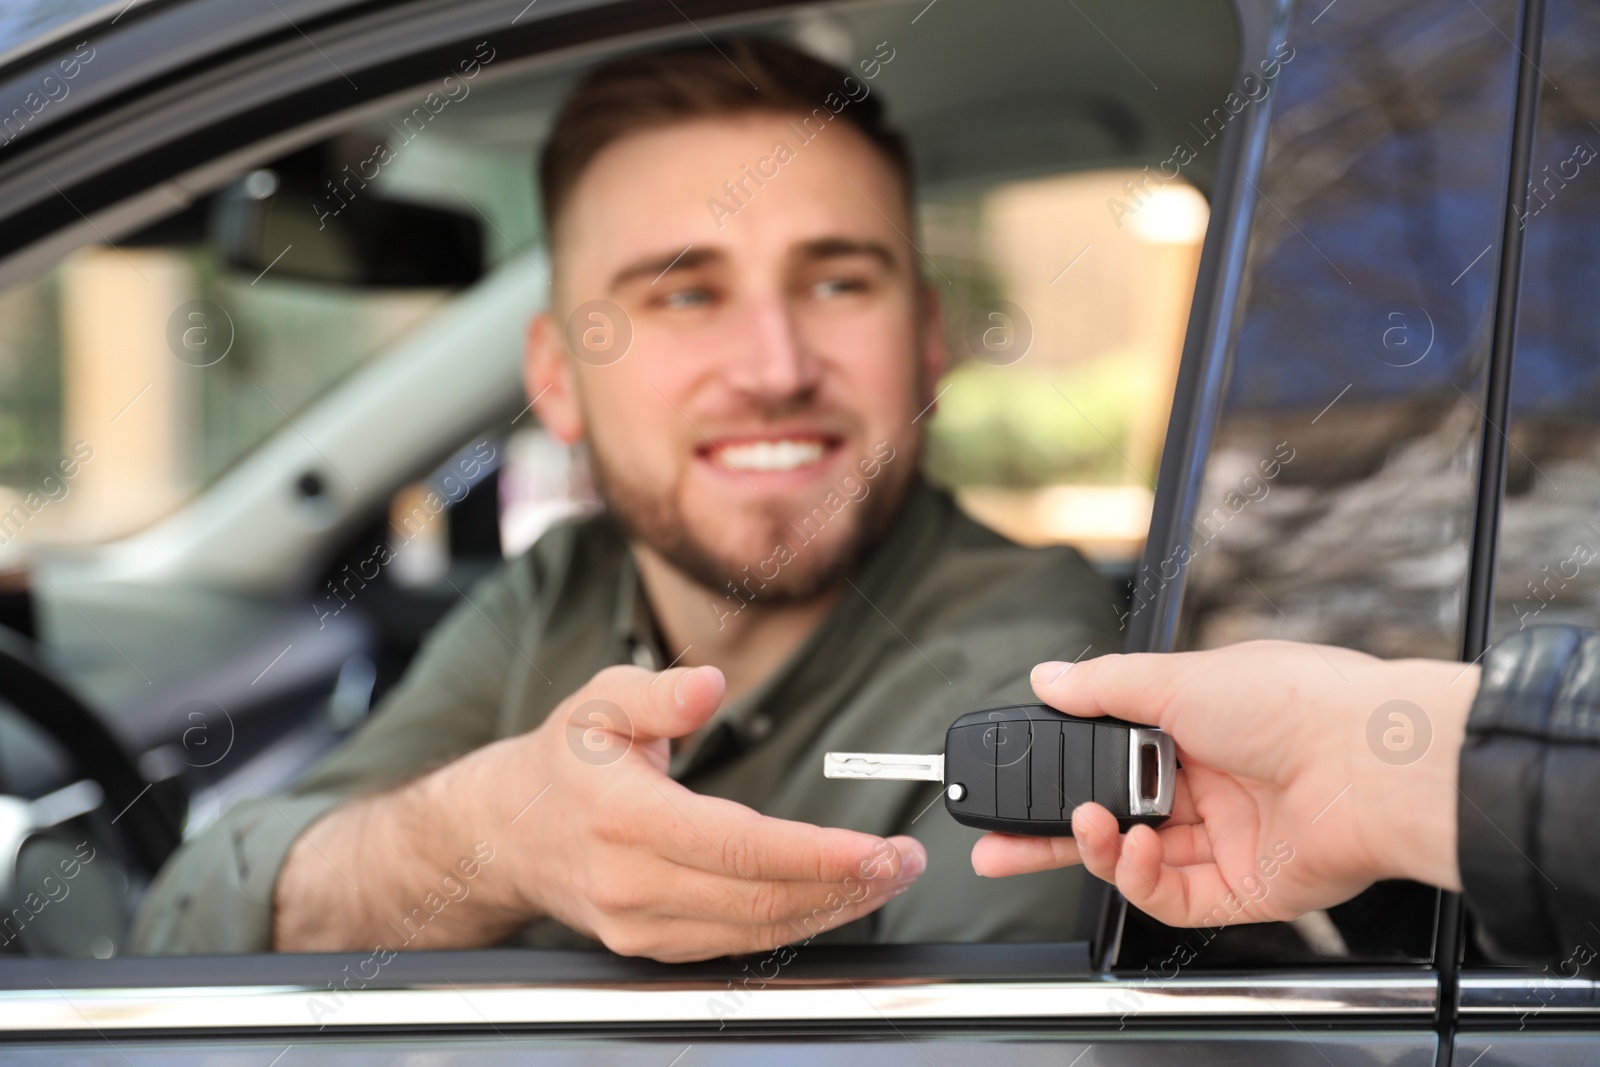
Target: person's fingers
(690,914)
(713,834)
(1097,845)
(1001,855)
(1185,844)
(1131,687)
(1099,842)
(688,893)
(1183,807)
(1141,867)
(683,940)
(1194,895)
(639,706)
(692,940)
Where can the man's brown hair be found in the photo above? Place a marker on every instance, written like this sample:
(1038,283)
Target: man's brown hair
(734,76)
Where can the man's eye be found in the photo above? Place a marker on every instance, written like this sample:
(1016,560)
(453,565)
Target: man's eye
(838,287)
(686,298)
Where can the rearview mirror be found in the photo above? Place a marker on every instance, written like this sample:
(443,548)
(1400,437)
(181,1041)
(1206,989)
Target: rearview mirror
(280,225)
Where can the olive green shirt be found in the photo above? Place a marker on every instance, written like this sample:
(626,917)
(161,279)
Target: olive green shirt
(945,616)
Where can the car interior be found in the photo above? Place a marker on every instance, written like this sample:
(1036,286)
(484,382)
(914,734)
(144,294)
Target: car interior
(312,348)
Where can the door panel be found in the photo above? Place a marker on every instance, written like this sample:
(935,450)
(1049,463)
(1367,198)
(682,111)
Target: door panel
(1287,1049)
(1518,1048)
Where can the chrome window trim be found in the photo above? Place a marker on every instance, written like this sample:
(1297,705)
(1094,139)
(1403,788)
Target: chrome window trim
(868,1000)
(1527,994)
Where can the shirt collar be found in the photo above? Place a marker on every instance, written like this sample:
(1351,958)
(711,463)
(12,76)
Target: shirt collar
(880,581)
(633,626)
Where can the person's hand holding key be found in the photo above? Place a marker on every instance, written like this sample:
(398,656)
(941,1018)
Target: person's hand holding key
(1281,802)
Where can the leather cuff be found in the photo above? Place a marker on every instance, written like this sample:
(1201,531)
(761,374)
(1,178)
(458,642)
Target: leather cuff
(1527,838)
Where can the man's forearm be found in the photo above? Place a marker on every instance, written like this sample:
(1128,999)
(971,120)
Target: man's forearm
(391,870)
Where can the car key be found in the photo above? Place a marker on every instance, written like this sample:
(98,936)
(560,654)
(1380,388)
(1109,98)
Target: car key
(1023,768)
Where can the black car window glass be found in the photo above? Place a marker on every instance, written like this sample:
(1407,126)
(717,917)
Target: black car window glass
(1338,498)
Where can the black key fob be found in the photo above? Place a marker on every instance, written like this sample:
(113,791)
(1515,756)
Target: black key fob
(1021,769)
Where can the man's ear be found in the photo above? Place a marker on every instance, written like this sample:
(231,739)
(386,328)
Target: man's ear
(552,385)
(933,354)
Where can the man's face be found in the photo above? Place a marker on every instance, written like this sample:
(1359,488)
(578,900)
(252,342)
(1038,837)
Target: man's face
(780,349)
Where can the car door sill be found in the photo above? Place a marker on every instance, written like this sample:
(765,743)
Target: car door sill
(1389,996)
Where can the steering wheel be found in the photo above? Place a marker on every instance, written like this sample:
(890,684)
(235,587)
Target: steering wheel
(152,831)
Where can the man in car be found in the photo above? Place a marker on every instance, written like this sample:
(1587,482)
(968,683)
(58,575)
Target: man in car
(619,736)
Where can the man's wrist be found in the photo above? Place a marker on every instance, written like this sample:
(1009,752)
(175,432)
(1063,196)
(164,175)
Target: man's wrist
(453,824)
(1419,804)
(301,901)
(394,858)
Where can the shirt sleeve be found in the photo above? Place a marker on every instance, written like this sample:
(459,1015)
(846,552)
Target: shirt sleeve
(215,894)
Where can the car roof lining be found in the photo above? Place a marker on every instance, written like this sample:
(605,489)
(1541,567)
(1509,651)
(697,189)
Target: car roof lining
(1048,114)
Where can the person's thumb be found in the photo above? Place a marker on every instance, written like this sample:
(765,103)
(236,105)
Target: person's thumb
(1126,686)
(626,707)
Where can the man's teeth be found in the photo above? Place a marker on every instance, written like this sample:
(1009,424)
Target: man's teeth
(770,455)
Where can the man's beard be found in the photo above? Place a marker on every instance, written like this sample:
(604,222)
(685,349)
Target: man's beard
(814,564)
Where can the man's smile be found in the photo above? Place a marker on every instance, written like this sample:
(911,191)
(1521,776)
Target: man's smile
(771,453)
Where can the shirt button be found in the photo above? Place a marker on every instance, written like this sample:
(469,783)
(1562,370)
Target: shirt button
(760,726)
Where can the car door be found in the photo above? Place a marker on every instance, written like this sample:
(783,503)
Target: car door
(1318,481)
(1547,523)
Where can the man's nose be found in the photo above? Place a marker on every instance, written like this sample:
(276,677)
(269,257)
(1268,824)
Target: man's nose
(773,362)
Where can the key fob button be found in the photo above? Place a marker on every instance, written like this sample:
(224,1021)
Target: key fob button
(1044,772)
(1013,761)
(1111,769)
(969,762)
(1077,764)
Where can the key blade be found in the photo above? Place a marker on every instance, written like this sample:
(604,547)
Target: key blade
(884,766)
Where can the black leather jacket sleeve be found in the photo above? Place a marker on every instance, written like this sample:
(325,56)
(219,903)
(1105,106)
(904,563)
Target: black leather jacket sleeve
(1529,810)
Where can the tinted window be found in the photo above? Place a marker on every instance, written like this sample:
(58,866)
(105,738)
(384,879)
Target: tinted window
(1548,570)
(1337,502)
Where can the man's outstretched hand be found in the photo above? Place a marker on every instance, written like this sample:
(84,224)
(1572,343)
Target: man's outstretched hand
(586,826)
(1307,773)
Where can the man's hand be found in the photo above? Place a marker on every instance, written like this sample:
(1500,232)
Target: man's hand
(587,827)
(1296,791)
